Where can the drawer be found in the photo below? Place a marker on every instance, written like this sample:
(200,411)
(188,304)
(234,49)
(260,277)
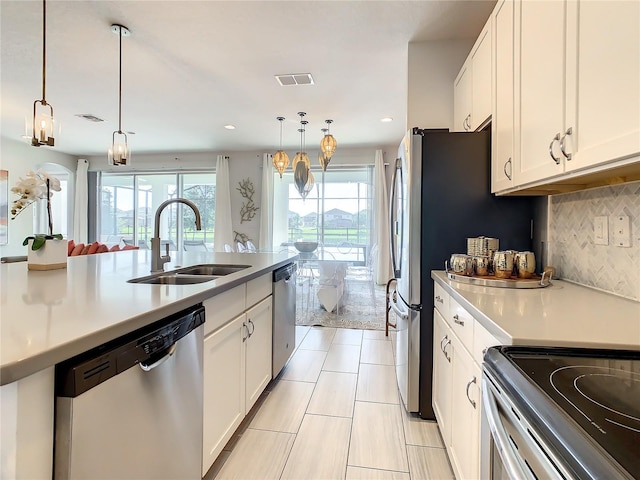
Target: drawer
(461,323)
(482,340)
(259,288)
(440,299)
(224,307)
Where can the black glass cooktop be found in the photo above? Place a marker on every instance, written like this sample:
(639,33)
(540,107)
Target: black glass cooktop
(598,389)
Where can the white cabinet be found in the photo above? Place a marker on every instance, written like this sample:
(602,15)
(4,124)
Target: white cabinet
(442,375)
(575,90)
(224,387)
(502,121)
(258,351)
(472,88)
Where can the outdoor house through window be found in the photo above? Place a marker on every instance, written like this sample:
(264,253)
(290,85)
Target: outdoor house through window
(347,207)
(128,203)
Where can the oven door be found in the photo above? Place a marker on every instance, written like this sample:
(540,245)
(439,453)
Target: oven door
(510,448)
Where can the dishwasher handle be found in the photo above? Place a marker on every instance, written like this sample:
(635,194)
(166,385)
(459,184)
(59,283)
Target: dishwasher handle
(170,351)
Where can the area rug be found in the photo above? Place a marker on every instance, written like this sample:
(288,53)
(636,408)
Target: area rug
(357,309)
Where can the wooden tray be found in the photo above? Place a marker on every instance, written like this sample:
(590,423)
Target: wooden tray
(537,281)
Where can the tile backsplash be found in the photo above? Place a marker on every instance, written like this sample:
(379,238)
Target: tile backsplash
(571,244)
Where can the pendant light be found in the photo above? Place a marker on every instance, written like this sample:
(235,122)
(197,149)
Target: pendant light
(43,111)
(301,156)
(280,158)
(119,153)
(328,145)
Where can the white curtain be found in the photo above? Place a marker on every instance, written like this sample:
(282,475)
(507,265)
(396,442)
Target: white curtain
(381,220)
(266,204)
(80,205)
(223,229)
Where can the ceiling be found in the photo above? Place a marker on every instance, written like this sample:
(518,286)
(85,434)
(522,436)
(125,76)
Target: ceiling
(191,67)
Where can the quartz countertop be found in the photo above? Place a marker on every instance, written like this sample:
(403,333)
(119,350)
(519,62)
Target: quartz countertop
(49,316)
(562,314)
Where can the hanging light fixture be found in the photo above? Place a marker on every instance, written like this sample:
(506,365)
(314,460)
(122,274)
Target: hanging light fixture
(301,163)
(328,145)
(119,153)
(280,158)
(301,156)
(43,111)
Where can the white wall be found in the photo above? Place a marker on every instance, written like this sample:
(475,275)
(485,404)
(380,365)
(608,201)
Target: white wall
(432,69)
(18,158)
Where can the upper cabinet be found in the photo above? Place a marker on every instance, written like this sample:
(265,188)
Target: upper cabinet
(472,87)
(575,90)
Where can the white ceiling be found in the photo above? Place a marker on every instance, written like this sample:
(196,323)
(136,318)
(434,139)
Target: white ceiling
(191,67)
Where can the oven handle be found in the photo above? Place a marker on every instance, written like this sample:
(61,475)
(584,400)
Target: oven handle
(499,434)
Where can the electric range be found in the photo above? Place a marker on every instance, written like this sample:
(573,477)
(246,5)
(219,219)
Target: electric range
(580,407)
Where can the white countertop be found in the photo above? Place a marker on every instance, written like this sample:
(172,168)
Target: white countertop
(49,316)
(562,314)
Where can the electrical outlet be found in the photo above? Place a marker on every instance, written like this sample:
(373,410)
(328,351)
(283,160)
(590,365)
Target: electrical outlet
(622,231)
(601,230)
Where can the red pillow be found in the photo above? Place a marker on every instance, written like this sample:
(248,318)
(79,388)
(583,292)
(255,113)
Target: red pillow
(70,246)
(85,250)
(77,250)
(115,248)
(93,248)
(102,248)
(130,247)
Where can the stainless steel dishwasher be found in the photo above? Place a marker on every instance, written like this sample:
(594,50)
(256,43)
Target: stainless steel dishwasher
(132,408)
(284,316)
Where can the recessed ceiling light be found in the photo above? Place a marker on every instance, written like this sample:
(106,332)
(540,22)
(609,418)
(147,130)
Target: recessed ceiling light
(230,127)
(386,119)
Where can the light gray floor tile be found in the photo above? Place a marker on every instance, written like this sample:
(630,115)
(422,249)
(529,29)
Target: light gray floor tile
(318,338)
(301,332)
(284,407)
(342,358)
(375,335)
(268,452)
(348,336)
(429,463)
(377,440)
(359,473)
(424,433)
(376,351)
(377,383)
(320,449)
(334,394)
(304,366)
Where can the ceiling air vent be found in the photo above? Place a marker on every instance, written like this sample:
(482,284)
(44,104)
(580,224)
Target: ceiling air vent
(291,79)
(88,116)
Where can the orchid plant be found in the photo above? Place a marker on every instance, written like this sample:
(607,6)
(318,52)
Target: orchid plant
(36,186)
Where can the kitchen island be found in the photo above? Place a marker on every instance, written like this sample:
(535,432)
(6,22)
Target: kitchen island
(48,317)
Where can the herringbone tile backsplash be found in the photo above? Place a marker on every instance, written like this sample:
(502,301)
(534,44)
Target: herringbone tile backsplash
(571,239)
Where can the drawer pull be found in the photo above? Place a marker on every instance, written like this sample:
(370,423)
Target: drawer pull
(472,402)
(439,299)
(443,347)
(457,320)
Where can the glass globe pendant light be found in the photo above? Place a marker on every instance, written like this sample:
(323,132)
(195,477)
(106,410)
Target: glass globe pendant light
(43,111)
(119,153)
(280,158)
(328,145)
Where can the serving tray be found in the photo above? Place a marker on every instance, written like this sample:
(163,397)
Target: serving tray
(537,281)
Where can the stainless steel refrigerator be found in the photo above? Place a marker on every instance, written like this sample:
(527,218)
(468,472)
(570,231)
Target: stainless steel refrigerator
(440,196)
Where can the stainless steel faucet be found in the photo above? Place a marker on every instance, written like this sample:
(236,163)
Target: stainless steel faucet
(158,260)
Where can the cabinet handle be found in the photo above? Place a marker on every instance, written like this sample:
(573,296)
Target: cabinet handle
(472,402)
(253,327)
(441,342)
(508,162)
(555,139)
(244,339)
(566,155)
(439,299)
(457,320)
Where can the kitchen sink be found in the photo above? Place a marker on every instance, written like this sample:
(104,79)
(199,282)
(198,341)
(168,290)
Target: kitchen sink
(174,279)
(211,269)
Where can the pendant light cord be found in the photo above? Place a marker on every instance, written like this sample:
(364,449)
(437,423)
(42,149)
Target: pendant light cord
(120,86)
(44,50)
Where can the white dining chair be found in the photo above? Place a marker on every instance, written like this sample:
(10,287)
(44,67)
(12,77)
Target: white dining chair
(251,248)
(241,248)
(228,248)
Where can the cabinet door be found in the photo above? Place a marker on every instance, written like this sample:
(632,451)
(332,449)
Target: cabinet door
(258,346)
(465,419)
(224,388)
(462,91)
(481,81)
(502,122)
(603,78)
(442,372)
(540,105)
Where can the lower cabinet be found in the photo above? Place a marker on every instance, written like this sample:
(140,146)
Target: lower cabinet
(442,375)
(236,369)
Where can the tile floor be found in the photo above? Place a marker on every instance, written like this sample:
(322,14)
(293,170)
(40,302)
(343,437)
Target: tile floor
(334,412)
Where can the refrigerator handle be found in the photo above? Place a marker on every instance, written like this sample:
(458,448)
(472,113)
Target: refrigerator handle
(393,222)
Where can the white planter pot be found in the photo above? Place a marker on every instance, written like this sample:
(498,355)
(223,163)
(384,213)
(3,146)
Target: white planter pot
(51,256)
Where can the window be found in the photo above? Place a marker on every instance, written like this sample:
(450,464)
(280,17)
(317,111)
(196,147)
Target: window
(347,208)
(128,204)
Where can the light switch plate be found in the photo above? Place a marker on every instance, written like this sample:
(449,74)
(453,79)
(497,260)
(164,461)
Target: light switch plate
(601,230)
(622,231)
